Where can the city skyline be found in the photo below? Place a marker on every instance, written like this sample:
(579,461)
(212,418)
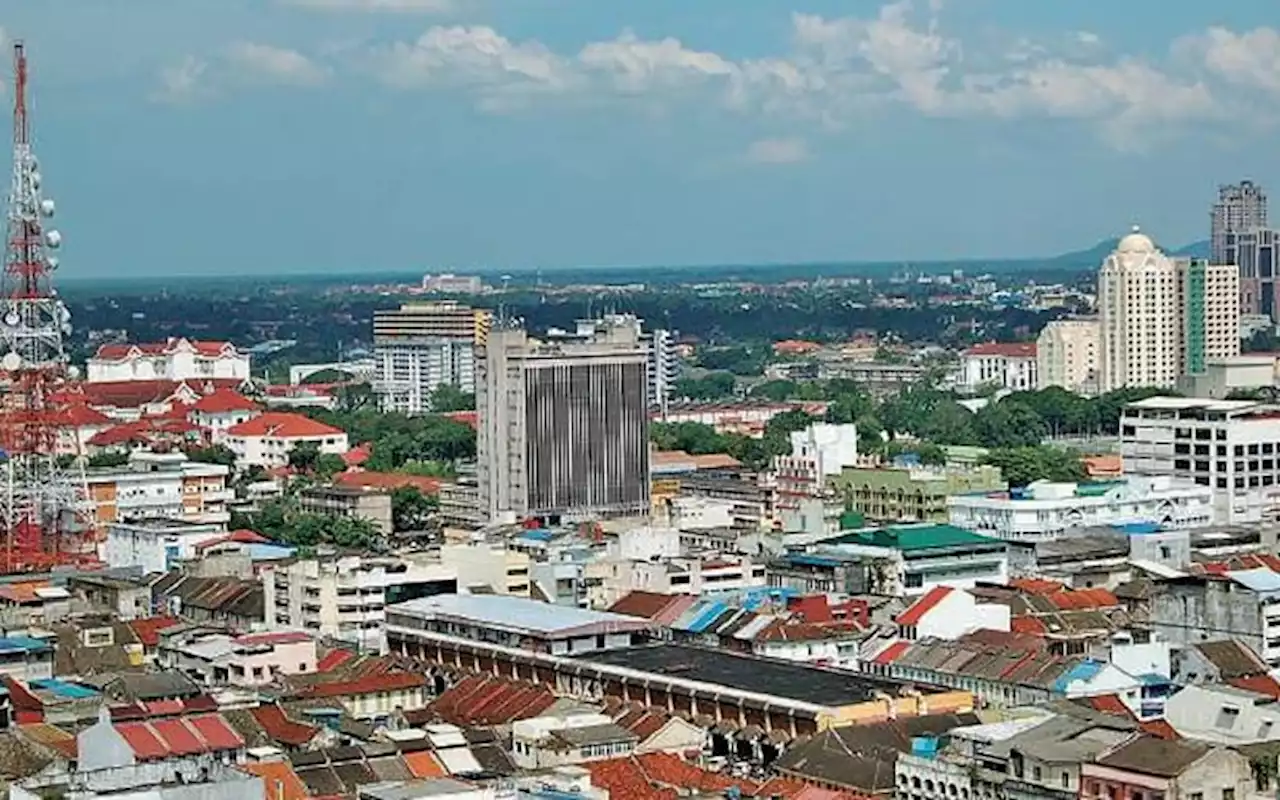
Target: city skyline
(331,136)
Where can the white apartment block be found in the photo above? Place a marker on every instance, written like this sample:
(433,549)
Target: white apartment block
(1044,510)
(160,486)
(1229,446)
(1011,366)
(174,360)
(1068,355)
(1161,317)
(420,347)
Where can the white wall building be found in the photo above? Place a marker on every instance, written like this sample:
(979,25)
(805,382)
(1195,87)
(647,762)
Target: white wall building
(1223,714)
(175,360)
(1011,366)
(345,596)
(1067,355)
(160,486)
(221,410)
(267,440)
(1045,510)
(154,545)
(947,613)
(1229,446)
(558,740)
(422,346)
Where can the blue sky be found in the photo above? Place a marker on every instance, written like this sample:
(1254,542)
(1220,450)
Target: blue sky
(216,137)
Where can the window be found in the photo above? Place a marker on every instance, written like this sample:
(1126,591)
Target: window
(1227,717)
(1229,794)
(1066,779)
(1036,774)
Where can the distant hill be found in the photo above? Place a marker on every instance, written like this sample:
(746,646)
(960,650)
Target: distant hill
(1095,255)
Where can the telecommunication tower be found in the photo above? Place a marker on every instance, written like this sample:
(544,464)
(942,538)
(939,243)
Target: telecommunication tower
(43,503)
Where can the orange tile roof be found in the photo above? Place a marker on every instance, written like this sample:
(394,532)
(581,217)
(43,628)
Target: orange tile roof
(1037,585)
(1103,466)
(51,736)
(670,770)
(623,778)
(1159,727)
(283,425)
(424,764)
(279,780)
(148,629)
(279,727)
(1262,684)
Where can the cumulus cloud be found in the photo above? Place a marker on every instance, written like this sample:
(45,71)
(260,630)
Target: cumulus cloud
(377,6)
(835,71)
(778,151)
(182,82)
(275,64)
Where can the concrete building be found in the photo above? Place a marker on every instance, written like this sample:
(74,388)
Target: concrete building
(345,596)
(1223,714)
(252,660)
(664,368)
(449,283)
(177,359)
(1045,510)
(133,778)
(1173,770)
(560,740)
(1222,376)
(1241,208)
(912,493)
(1068,355)
(221,410)
(1011,366)
(354,502)
(1162,317)
(1255,252)
(563,427)
(1229,446)
(818,453)
(267,440)
(160,486)
(155,545)
(1238,605)
(422,346)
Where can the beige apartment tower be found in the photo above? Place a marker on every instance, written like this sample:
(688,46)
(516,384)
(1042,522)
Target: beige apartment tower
(1160,317)
(1068,353)
(420,347)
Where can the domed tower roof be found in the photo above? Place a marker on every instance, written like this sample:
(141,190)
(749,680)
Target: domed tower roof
(1136,242)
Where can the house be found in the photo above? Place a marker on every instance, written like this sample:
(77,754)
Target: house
(77,424)
(250,660)
(374,696)
(576,738)
(173,740)
(266,440)
(128,401)
(947,613)
(1224,714)
(220,411)
(232,602)
(1009,366)
(177,359)
(1173,770)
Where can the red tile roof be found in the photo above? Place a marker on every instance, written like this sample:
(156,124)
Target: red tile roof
(645,605)
(357,455)
(243,536)
(223,401)
(1006,349)
(283,425)
(279,727)
(917,610)
(670,770)
(468,418)
(333,659)
(1029,625)
(1110,704)
(388,481)
(891,653)
(148,629)
(368,684)
(121,351)
(1082,599)
(80,415)
(1159,727)
(1037,585)
(488,700)
(148,429)
(1262,684)
(622,777)
(53,737)
(162,738)
(424,764)
(133,394)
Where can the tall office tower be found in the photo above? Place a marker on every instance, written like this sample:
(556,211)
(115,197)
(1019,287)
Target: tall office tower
(1255,253)
(1067,355)
(1160,317)
(563,423)
(1241,208)
(420,347)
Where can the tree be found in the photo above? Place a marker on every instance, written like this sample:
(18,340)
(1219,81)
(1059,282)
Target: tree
(411,510)
(692,437)
(448,397)
(1024,465)
(1008,424)
(739,360)
(775,391)
(355,396)
(712,386)
(214,454)
(304,457)
(328,465)
(948,423)
(108,459)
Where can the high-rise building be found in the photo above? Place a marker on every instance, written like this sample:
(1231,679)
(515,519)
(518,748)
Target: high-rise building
(664,368)
(563,423)
(1160,317)
(1067,355)
(1241,208)
(420,347)
(1255,253)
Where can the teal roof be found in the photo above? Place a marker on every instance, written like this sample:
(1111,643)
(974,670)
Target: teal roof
(909,538)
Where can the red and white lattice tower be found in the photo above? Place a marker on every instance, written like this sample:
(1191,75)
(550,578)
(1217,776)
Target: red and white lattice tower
(43,504)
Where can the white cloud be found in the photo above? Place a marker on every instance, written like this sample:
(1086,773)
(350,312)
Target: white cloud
(1250,59)
(377,6)
(183,82)
(477,57)
(275,64)
(778,151)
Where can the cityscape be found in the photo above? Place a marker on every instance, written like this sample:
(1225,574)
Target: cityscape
(1002,529)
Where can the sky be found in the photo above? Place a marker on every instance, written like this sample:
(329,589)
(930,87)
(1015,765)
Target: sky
(230,137)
